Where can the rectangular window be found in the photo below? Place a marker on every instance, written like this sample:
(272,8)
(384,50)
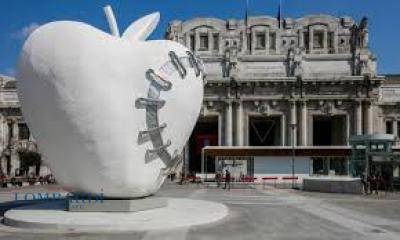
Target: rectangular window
(272,41)
(398,128)
(216,41)
(318,167)
(203,42)
(306,38)
(318,39)
(248,40)
(329,166)
(389,127)
(192,42)
(23,131)
(260,41)
(10,131)
(331,42)
(381,147)
(337,166)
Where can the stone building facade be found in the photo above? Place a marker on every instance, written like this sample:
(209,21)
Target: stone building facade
(306,82)
(14,133)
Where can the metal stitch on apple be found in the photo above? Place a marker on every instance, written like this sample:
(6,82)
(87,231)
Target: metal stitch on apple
(164,84)
(152,103)
(144,135)
(177,64)
(193,63)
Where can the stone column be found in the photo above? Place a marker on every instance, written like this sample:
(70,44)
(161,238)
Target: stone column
(325,40)
(347,129)
(14,162)
(187,40)
(311,39)
(303,128)
(14,154)
(395,131)
(221,44)
(283,130)
(278,42)
(336,42)
(358,117)
(15,130)
(7,133)
(253,41)
(239,124)
(228,124)
(210,41)
(220,129)
(370,127)
(301,38)
(3,167)
(197,40)
(3,145)
(293,120)
(267,42)
(3,137)
(244,41)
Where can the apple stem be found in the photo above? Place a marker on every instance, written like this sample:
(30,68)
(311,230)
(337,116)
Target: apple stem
(112,23)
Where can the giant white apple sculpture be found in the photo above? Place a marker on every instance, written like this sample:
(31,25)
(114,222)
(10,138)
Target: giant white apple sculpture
(110,114)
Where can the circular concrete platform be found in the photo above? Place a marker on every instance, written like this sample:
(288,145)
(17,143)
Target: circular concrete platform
(179,212)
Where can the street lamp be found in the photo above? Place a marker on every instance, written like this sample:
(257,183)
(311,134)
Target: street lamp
(293,127)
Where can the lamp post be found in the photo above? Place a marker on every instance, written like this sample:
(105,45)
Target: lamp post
(293,128)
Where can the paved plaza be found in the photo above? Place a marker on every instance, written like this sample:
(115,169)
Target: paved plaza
(256,213)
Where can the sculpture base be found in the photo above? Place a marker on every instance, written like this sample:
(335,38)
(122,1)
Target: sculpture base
(116,205)
(53,217)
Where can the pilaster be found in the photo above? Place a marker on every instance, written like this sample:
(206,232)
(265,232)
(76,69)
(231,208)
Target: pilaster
(303,128)
(228,124)
(358,117)
(239,124)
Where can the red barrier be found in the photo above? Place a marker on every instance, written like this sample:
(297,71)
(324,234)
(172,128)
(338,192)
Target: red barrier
(249,179)
(270,178)
(290,178)
(265,179)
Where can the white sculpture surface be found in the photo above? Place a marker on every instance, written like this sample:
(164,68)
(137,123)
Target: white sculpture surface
(110,114)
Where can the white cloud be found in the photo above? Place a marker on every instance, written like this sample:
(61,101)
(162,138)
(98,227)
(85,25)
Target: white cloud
(25,31)
(10,72)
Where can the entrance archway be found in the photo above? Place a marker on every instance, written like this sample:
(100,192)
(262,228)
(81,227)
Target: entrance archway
(264,130)
(204,134)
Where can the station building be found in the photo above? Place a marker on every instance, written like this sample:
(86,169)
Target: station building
(275,89)
(15,137)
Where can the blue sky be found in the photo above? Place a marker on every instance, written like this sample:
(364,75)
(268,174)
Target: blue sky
(19,17)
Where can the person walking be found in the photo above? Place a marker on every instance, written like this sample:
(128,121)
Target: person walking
(218,178)
(378,180)
(364,183)
(227,180)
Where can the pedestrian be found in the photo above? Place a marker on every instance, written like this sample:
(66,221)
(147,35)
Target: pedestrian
(369,187)
(227,180)
(374,184)
(218,178)
(364,183)
(377,183)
